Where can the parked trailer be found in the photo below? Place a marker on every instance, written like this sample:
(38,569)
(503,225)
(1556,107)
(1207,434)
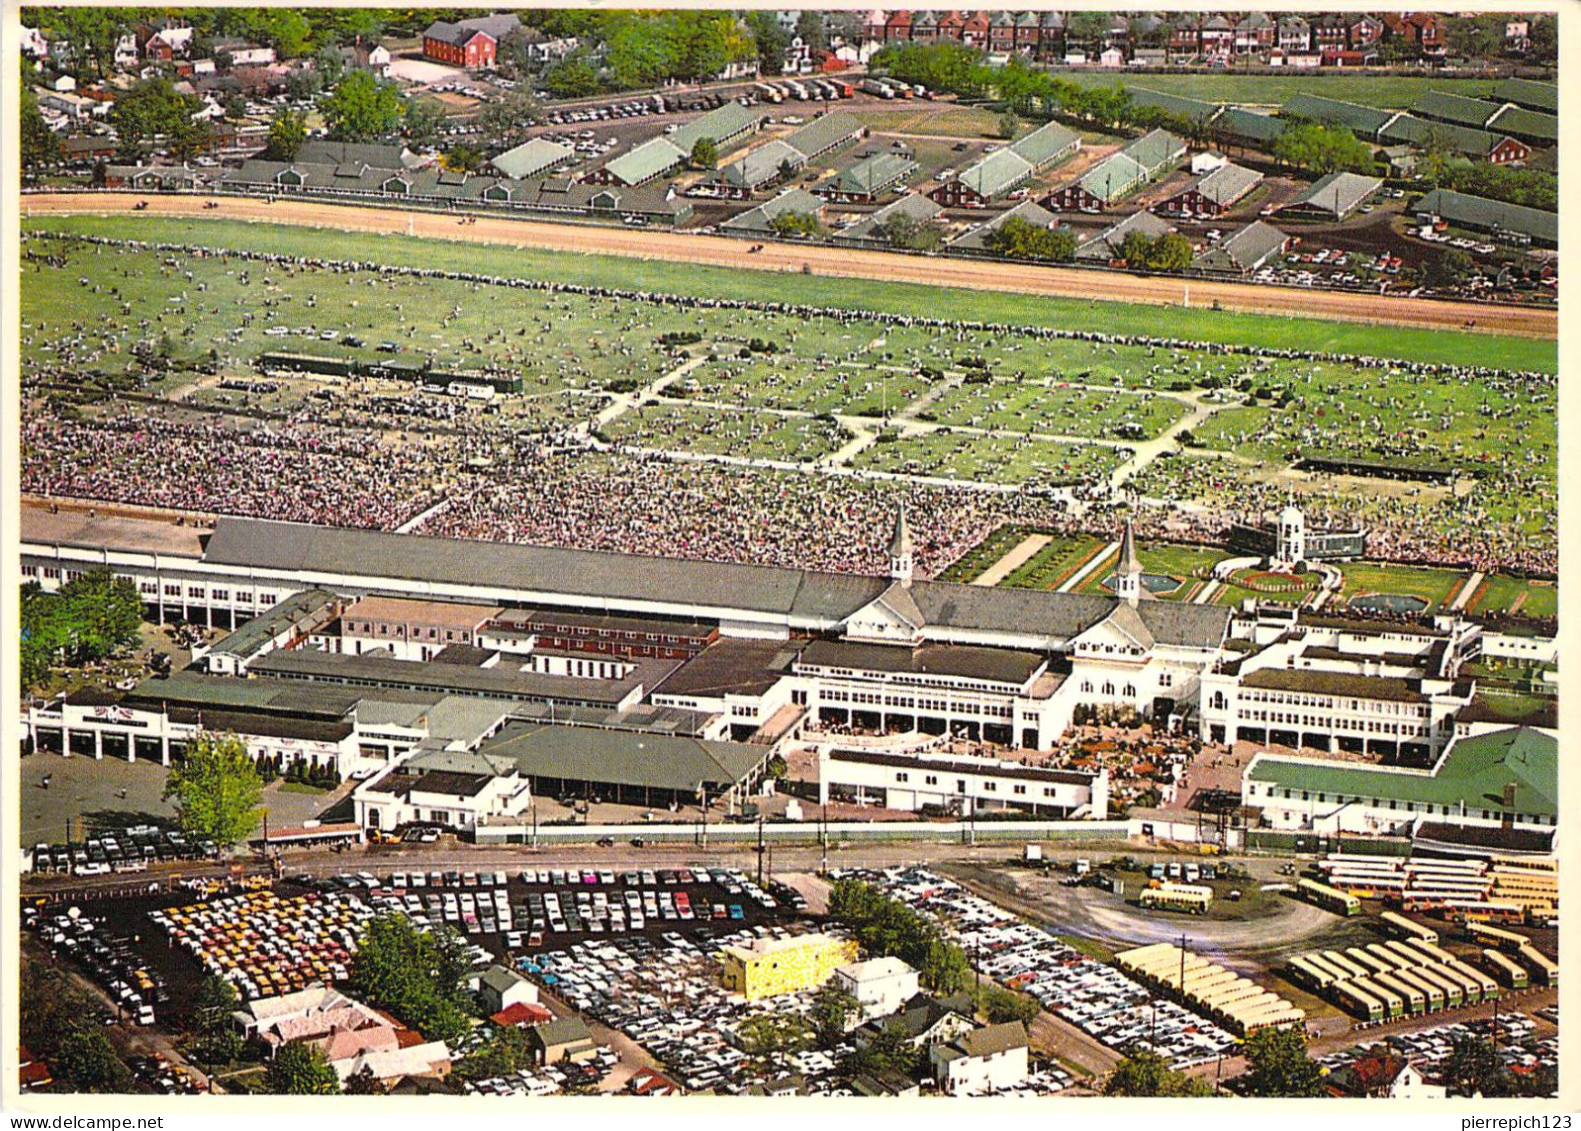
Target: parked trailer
(1510,972)
(1404,928)
(1541,965)
(1412,998)
(1330,899)
(1355,998)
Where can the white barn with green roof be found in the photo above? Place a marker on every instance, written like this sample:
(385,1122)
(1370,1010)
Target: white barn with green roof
(1503,779)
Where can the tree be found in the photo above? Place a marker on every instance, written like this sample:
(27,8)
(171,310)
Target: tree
(572,77)
(330,65)
(509,119)
(190,137)
(913,235)
(301,1069)
(1169,252)
(705,153)
(463,158)
(363,1083)
(86,1060)
(362,108)
(1000,1005)
(422,120)
(1473,1068)
(809,26)
(217,1039)
(509,1050)
(1278,1064)
(417,975)
(889,1050)
(216,789)
(287,132)
(833,1009)
(87,619)
(1016,238)
(40,145)
(1448,269)
(768,1038)
(51,1006)
(1320,149)
(1086,27)
(151,109)
(791,225)
(1008,125)
(1146,1073)
(770,40)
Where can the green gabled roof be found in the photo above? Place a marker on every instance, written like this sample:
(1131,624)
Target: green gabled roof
(1480,212)
(996,174)
(1525,123)
(1113,177)
(1338,192)
(730,120)
(1247,125)
(872,174)
(761,165)
(1533,95)
(1193,108)
(650,159)
(823,134)
(1045,144)
(533,156)
(1410,130)
(1153,151)
(1474,772)
(1359,119)
(1455,108)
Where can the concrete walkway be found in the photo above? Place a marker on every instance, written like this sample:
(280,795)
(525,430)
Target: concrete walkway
(1467,591)
(1021,553)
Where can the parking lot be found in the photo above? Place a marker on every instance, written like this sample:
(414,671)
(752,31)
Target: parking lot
(1095,997)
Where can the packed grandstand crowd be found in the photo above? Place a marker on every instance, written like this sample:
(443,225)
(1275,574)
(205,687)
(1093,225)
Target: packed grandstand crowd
(326,463)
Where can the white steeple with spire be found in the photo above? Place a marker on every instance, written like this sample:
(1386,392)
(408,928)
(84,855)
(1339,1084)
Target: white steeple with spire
(901,563)
(1128,574)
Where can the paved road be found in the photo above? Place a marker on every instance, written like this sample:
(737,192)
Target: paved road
(832,262)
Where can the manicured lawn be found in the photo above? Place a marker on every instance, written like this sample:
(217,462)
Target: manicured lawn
(1432,585)
(1183,563)
(1391,92)
(755,435)
(970,565)
(1050,407)
(900,298)
(1049,567)
(1233,594)
(988,459)
(1500,593)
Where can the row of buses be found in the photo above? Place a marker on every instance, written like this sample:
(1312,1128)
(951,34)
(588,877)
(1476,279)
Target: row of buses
(1498,891)
(1381,981)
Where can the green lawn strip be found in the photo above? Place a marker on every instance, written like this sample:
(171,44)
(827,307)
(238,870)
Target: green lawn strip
(713,431)
(1432,585)
(864,294)
(1387,92)
(1499,592)
(1053,563)
(988,459)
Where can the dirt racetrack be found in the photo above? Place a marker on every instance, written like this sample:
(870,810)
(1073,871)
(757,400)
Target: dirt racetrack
(832,262)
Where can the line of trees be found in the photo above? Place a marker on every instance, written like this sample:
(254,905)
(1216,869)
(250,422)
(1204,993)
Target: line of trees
(886,927)
(64,1025)
(1019,239)
(1169,252)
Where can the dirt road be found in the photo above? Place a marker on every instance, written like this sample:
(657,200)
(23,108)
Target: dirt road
(830,262)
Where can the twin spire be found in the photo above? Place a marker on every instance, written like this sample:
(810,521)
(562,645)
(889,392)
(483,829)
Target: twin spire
(1128,574)
(901,562)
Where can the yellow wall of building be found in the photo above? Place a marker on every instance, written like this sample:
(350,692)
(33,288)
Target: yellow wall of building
(785,970)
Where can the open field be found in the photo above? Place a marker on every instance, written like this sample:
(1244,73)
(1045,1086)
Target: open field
(1515,594)
(1050,566)
(1435,586)
(889,280)
(1389,92)
(665,375)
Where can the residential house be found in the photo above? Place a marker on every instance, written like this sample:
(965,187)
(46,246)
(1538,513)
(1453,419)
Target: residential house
(460,45)
(1363,32)
(565,1038)
(1295,36)
(1217,38)
(500,987)
(880,985)
(1254,35)
(924,1021)
(985,1060)
(1382,1076)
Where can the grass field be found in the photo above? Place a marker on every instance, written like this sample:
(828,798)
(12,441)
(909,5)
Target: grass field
(715,432)
(1435,586)
(1389,92)
(1232,593)
(1018,462)
(1186,564)
(970,565)
(1054,563)
(1048,407)
(899,298)
(1503,593)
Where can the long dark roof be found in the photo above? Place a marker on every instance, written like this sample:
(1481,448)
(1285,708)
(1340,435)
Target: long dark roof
(599,579)
(996,665)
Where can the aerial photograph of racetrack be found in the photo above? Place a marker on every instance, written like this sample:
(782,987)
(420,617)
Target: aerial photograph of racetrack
(778,553)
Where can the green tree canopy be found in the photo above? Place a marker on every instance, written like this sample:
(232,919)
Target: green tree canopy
(705,153)
(572,77)
(509,119)
(87,1061)
(301,1069)
(1016,238)
(362,108)
(417,975)
(287,132)
(151,109)
(1473,1068)
(913,235)
(885,926)
(40,145)
(1278,1064)
(87,619)
(1146,1073)
(1320,149)
(833,1011)
(794,224)
(215,789)
(770,40)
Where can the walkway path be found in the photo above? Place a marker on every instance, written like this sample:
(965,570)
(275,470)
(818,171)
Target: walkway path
(1018,556)
(1467,591)
(1093,563)
(1146,451)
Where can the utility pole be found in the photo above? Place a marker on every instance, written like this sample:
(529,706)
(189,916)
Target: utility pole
(704,792)
(823,837)
(760,848)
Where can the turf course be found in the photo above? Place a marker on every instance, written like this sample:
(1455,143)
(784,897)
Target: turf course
(1210,326)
